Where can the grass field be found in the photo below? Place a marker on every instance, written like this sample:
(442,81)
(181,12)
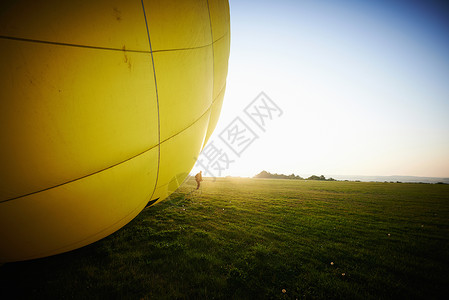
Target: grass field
(259,239)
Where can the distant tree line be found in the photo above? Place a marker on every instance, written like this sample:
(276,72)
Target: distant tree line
(265,174)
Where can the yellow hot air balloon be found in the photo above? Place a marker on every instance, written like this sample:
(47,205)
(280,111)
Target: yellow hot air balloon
(104,106)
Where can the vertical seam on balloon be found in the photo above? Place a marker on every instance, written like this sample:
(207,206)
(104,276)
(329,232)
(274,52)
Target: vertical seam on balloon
(157,102)
(213,68)
(213,54)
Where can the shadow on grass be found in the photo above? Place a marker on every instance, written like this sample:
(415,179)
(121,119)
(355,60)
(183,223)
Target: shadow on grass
(250,239)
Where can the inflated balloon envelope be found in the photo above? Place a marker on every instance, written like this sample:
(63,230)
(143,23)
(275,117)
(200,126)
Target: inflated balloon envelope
(104,107)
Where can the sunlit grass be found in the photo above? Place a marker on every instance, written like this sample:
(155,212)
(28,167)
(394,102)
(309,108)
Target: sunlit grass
(248,238)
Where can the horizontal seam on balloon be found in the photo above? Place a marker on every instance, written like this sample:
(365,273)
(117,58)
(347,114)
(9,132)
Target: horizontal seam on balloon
(79,178)
(105,48)
(192,48)
(199,118)
(71,45)
(114,165)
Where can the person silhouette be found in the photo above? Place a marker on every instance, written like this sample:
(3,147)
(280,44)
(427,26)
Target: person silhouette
(198,178)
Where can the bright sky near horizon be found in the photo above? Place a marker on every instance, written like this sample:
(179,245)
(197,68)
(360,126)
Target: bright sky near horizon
(363,85)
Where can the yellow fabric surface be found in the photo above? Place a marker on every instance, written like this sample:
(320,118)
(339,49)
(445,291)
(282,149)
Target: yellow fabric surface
(104,106)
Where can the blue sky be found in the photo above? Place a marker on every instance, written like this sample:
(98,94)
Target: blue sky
(364,86)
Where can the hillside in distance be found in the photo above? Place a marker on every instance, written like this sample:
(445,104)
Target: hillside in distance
(365,178)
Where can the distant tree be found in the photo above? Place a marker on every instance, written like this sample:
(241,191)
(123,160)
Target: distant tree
(265,174)
(313,177)
(322,178)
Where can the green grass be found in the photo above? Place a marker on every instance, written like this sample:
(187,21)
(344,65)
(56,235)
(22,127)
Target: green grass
(252,238)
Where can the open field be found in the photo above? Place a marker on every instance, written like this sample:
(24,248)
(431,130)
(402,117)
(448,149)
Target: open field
(254,238)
